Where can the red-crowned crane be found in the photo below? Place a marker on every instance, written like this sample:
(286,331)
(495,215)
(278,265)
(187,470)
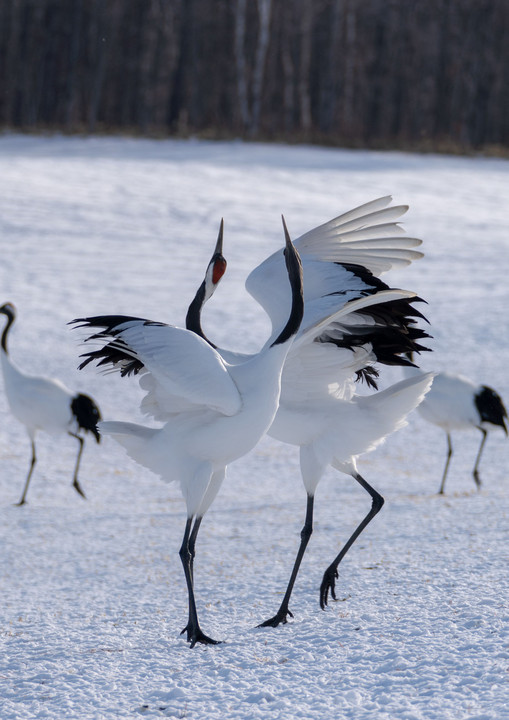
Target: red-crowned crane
(41,403)
(213,411)
(456,403)
(318,409)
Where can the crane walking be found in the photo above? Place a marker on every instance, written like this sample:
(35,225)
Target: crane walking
(456,403)
(41,403)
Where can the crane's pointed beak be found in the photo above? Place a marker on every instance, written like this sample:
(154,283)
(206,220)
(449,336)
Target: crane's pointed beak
(218,261)
(287,234)
(219,244)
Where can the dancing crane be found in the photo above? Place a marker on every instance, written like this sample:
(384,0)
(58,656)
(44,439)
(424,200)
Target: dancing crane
(213,411)
(41,403)
(318,409)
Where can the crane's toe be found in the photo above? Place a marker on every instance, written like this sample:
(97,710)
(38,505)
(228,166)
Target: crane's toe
(79,489)
(195,635)
(200,637)
(280,618)
(328,585)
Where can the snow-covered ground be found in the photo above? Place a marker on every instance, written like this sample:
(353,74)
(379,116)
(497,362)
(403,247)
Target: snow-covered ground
(92,593)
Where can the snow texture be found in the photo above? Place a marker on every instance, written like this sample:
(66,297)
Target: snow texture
(93,594)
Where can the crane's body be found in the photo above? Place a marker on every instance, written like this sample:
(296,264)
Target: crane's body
(319,410)
(45,404)
(38,403)
(456,403)
(213,412)
(451,405)
(205,439)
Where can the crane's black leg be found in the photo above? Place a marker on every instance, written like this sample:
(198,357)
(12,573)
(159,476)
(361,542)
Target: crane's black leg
(283,612)
(27,481)
(449,455)
(75,482)
(192,544)
(477,479)
(194,632)
(330,575)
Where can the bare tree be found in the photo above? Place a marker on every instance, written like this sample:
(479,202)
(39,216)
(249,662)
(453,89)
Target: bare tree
(379,72)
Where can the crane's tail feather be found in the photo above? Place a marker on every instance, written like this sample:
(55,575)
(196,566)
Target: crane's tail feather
(134,438)
(87,414)
(389,409)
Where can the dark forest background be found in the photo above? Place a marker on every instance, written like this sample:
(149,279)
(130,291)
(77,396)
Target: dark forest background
(376,73)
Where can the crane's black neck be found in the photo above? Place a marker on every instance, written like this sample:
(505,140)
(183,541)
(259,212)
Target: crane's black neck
(193,317)
(10,319)
(294,268)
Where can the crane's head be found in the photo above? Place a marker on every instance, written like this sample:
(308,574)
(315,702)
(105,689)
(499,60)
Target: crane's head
(9,310)
(216,267)
(294,270)
(215,271)
(292,259)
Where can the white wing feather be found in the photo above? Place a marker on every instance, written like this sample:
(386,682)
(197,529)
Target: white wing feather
(342,239)
(184,371)
(314,369)
(366,236)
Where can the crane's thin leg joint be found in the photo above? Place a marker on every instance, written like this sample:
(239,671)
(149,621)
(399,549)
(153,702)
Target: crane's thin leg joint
(27,481)
(449,455)
(330,575)
(282,614)
(75,482)
(475,473)
(187,552)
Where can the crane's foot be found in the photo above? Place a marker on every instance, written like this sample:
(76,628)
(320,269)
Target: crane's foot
(280,618)
(195,635)
(78,489)
(328,585)
(20,503)
(477,479)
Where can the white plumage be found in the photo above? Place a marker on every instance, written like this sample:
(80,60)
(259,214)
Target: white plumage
(213,412)
(41,403)
(456,403)
(318,408)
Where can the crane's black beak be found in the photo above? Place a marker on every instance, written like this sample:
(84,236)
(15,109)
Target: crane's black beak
(287,234)
(219,244)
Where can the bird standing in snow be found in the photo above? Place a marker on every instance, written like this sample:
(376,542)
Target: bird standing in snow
(45,404)
(318,408)
(456,403)
(213,412)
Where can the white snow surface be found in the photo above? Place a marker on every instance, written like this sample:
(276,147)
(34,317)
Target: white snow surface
(92,592)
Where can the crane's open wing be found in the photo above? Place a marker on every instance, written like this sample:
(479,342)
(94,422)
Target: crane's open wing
(339,340)
(344,255)
(367,235)
(180,370)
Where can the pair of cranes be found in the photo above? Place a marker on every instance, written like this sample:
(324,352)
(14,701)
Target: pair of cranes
(215,405)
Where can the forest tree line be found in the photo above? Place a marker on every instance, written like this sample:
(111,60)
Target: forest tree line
(375,73)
